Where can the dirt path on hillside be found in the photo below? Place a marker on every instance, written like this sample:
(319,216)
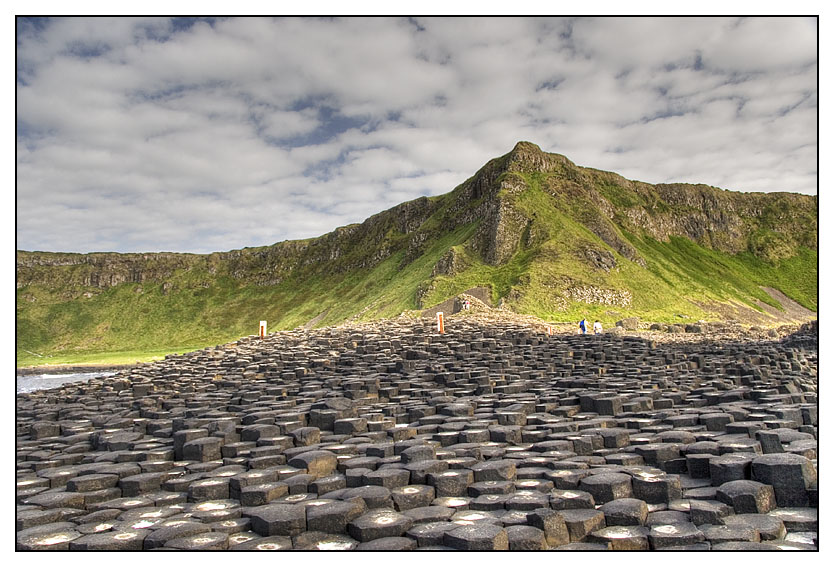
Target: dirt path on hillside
(735,311)
(793,310)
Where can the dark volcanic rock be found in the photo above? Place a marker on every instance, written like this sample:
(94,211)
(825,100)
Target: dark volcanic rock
(493,435)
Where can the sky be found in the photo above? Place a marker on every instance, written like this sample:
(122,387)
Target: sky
(139,134)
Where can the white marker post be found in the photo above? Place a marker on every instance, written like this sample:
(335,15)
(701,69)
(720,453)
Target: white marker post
(549,330)
(262,329)
(440,322)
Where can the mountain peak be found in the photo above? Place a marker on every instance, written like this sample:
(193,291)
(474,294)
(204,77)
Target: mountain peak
(526,146)
(528,157)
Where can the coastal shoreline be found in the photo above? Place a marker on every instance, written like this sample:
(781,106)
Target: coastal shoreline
(71,368)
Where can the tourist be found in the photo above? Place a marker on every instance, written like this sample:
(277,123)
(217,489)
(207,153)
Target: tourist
(597,328)
(583,326)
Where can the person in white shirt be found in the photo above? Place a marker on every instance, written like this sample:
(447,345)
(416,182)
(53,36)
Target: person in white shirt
(597,328)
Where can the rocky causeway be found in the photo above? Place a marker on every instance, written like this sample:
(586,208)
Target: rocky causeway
(493,435)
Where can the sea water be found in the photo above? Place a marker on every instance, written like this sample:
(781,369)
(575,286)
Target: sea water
(31,383)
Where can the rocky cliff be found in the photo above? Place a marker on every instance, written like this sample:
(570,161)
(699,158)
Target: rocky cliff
(540,232)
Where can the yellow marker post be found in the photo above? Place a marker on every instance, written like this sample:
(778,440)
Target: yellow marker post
(440,322)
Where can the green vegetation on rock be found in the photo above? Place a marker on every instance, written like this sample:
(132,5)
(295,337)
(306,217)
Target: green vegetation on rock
(547,237)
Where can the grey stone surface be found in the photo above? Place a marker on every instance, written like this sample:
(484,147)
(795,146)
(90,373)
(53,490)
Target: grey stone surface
(402,436)
(477,537)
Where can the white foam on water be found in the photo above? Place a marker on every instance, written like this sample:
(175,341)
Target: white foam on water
(25,384)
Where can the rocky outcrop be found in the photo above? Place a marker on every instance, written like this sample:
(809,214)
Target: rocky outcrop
(451,263)
(599,259)
(629,323)
(724,220)
(99,270)
(595,295)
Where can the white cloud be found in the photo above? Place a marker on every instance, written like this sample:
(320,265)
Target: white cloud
(763,44)
(138,135)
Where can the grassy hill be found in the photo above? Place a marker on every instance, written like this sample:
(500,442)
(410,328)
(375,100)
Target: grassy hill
(547,237)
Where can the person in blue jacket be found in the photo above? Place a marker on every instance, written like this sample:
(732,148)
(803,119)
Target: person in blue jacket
(583,326)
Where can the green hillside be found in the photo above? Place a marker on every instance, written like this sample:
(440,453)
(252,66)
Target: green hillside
(548,238)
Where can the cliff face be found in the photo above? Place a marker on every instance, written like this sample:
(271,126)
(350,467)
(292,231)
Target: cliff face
(540,232)
(605,203)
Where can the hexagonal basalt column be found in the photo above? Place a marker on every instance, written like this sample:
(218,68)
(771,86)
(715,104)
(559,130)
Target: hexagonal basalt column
(790,475)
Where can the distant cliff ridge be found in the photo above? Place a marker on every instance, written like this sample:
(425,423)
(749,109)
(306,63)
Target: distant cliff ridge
(544,235)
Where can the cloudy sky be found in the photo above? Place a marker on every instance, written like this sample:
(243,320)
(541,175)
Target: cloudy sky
(158,134)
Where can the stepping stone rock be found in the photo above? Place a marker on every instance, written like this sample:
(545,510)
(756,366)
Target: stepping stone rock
(206,489)
(57,499)
(803,537)
(316,463)
(708,512)
(206,541)
(679,534)
(605,487)
(585,547)
(334,517)
(666,518)
(53,536)
(430,533)
(656,488)
(433,513)
(769,527)
(790,475)
(477,537)
(392,544)
(262,494)
(315,540)
(527,500)
(747,496)
(278,519)
(697,465)
(716,534)
(135,485)
(741,547)
(451,483)
(379,523)
(265,544)
(581,522)
(159,537)
(567,479)
(622,537)
(34,517)
(375,497)
(203,449)
(729,467)
(525,538)
(797,519)
(625,512)
(472,516)
(114,540)
(387,477)
(783,545)
(499,470)
(412,496)
(560,500)
(92,482)
(552,524)
(489,502)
